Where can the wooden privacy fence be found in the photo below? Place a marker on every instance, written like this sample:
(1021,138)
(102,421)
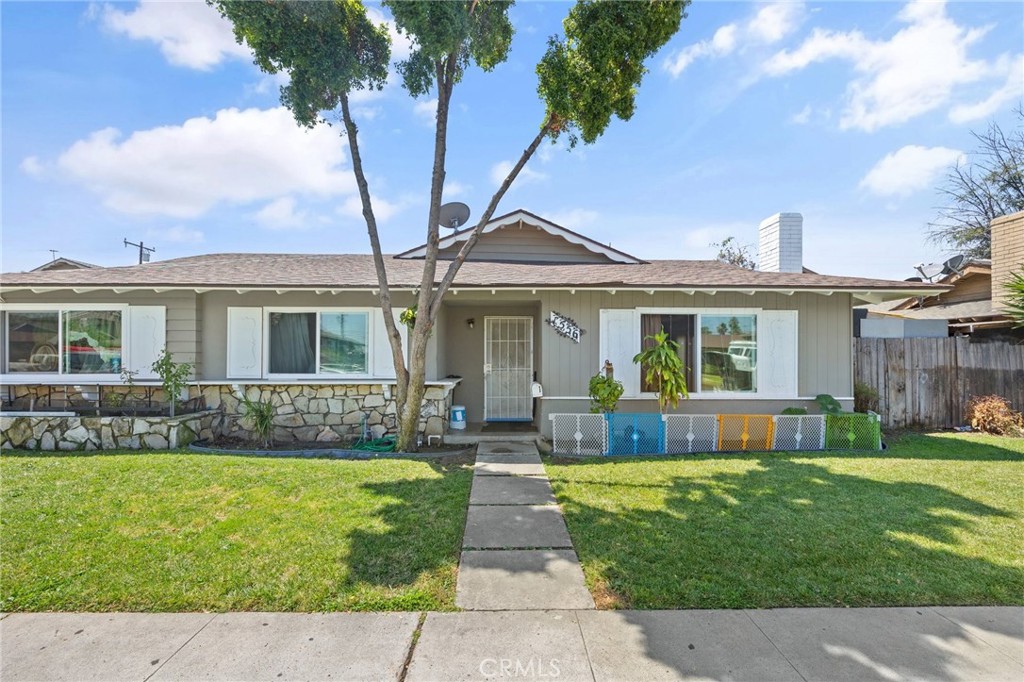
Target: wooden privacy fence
(926,383)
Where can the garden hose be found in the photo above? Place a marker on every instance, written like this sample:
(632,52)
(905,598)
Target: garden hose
(386,444)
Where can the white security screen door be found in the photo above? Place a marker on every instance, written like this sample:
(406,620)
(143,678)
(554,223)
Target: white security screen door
(508,369)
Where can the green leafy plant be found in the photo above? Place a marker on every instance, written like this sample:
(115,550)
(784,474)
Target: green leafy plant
(795,411)
(260,417)
(664,369)
(408,316)
(605,392)
(173,375)
(865,397)
(828,404)
(1015,298)
(994,414)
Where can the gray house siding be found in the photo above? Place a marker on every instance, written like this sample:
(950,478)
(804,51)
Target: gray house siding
(184,319)
(526,244)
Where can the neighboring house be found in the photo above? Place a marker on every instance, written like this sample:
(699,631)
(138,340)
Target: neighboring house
(971,304)
(535,302)
(63,264)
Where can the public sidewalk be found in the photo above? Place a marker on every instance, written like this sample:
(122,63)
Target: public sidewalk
(890,644)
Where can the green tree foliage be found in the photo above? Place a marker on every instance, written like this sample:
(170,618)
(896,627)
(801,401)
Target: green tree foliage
(663,368)
(173,375)
(730,251)
(332,48)
(989,185)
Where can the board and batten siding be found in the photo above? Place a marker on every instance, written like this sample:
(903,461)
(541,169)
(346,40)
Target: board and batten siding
(183,317)
(527,244)
(824,334)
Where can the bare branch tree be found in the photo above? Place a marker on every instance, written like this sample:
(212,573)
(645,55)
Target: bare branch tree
(988,185)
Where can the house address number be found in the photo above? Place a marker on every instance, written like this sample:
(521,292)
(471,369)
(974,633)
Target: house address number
(565,326)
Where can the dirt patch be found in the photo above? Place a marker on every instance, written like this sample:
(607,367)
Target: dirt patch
(607,598)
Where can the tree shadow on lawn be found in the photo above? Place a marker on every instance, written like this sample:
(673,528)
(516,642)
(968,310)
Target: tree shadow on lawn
(790,533)
(423,521)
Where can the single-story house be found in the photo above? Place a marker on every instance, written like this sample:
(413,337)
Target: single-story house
(534,313)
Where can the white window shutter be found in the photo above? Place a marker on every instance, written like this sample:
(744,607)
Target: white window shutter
(383,366)
(619,343)
(147,336)
(777,353)
(245,343)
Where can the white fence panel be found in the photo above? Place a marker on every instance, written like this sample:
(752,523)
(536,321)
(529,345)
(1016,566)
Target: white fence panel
(579,434)
(687,433)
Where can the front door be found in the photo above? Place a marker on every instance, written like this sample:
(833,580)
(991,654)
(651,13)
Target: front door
(508,369)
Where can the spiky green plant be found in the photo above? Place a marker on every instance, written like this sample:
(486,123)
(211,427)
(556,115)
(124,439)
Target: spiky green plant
(1015,298)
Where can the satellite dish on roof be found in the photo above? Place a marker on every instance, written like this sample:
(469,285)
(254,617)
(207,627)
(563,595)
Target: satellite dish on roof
(454,214)
(913,279)
(929,271)
(954,264)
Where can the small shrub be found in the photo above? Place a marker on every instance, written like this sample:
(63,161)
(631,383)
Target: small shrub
(260,416)
(865,397)
(994,414)
(828,404)
(795,411)
(173,375)
(605,392)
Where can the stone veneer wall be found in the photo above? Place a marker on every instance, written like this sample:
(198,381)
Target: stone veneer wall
(326,413)
(302,413)
(105,433)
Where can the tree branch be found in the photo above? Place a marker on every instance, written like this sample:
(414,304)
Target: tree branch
(351,130)
(453,268)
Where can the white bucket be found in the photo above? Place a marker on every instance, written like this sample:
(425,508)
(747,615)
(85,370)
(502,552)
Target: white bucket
(458,417)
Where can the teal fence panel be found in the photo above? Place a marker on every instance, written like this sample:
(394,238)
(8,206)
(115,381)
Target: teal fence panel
(635,434)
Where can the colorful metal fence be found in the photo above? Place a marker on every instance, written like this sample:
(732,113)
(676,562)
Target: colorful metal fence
(650,434)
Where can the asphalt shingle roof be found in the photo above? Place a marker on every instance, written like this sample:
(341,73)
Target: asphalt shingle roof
(344,271)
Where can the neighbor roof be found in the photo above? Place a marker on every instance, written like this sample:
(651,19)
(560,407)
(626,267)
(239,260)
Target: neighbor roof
(356,271)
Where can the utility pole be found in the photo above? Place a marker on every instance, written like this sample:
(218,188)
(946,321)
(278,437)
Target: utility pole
(144,250)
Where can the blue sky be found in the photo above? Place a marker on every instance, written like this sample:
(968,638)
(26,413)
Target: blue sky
(147,121)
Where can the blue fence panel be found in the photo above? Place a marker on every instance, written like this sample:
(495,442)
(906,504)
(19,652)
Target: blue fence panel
(635,434)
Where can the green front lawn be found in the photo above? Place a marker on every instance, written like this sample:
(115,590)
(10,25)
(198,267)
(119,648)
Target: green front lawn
(935,519)
(183,532)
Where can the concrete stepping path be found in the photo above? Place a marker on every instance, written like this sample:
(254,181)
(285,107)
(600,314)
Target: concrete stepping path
(517,554)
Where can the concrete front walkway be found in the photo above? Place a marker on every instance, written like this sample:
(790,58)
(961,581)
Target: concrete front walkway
(886,644)
(516,551)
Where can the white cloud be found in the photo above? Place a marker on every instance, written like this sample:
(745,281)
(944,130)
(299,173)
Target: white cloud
(1011,91)
(190,34)
(573,218)
(239,156)
(501,169)
(767,26)
(32,167)
(383,210)
(454,188)
(426,110)
(913,72)
(280,214)
(803,116)
(401,46)
(179,234)
(909,169)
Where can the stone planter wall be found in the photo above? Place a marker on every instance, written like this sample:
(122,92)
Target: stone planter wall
(106,433)
(326,413)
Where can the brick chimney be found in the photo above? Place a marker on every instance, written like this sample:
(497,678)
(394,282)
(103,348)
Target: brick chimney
(781,243)
(1007,253)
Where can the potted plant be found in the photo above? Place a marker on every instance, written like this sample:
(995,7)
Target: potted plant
(664,369)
